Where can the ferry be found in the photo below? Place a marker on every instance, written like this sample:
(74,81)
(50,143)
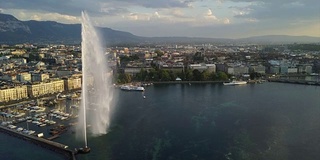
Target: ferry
(232,83)
(131,88)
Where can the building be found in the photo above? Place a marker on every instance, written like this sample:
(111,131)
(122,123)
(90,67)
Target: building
(39,77)
(238,70)
(72,83)
(45,88)
(13,93)
(132,70)
(203,66)
(24,77)
(305,69)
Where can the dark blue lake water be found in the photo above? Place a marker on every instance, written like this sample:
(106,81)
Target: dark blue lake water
(202,121)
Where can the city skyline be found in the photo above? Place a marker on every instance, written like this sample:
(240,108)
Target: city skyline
(192,18)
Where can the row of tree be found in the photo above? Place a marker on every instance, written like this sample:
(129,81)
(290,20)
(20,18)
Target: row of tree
(156,75)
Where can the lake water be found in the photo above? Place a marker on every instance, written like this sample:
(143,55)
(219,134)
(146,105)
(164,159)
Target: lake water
(269,121)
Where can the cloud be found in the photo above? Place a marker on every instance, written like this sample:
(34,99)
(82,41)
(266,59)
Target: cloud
(113,11)
(160,4)
(74,7)
(210,15)
(176,17)
(44,16)
(281,10)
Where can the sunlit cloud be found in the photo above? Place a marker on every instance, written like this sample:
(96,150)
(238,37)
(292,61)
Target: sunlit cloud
(210,15)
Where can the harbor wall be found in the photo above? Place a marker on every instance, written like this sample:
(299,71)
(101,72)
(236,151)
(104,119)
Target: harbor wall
(54,146)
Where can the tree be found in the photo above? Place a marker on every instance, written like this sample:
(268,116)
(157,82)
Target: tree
(173,75)
(196,75)
(255,75)
(222,76)
(153,75)
(164,75)
(205,75)
(188,75)
(124,78)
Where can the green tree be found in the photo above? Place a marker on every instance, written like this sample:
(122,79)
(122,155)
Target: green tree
(188,75)
(164,75)
(222,76)
(196,75)
(124,78)
(153,75)
(205,75)
(213,76)
(173,75)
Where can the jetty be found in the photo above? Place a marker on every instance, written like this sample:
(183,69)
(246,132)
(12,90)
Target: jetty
(54,146)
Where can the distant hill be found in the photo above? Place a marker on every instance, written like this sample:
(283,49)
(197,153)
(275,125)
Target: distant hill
(14,31)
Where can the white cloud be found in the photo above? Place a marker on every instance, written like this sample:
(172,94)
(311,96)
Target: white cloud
(56,17)
(156,14)
(36,17)
(40,16)
(210,15)
(139,16)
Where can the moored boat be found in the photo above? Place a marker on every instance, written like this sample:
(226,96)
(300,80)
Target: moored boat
(232,83)
(131,88)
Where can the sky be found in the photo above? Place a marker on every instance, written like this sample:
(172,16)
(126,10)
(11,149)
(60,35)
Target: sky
(191,18)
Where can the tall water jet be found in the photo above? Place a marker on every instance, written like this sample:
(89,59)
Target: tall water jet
(97,89)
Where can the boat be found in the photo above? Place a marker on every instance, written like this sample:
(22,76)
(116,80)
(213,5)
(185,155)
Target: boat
(84,150)
(131,88)
(232,83)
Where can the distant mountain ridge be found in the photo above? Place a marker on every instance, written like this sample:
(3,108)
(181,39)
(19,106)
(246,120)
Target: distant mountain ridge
(14,31)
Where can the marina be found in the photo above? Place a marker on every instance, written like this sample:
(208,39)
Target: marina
(35,122)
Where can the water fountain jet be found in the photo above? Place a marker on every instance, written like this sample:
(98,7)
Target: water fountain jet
(97,89)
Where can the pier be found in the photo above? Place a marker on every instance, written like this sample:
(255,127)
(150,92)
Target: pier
(54,146)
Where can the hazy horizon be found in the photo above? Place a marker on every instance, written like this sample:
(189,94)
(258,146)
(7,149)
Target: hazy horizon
(181,18)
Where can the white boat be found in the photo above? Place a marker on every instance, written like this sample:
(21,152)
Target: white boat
(232,83)
(131,88)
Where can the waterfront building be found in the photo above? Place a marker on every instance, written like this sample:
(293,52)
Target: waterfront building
(11,93)
(292,70)
(304,68)
(274,69)
(45,88)
(238,70)
(203,66)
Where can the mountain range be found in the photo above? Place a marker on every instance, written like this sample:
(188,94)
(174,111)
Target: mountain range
(14,31)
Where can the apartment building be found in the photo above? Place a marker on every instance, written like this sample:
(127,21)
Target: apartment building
(45,88)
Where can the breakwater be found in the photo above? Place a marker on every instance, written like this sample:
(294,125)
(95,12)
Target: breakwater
(294,81)
(54,146)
